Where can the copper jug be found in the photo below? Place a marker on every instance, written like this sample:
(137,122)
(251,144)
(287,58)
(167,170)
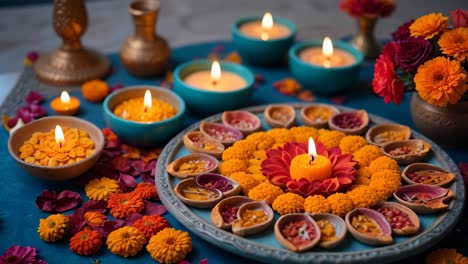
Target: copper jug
(145,53)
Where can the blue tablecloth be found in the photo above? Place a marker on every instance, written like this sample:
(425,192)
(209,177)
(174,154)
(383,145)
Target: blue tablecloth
(19,216)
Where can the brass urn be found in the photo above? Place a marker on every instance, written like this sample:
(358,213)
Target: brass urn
(145,53)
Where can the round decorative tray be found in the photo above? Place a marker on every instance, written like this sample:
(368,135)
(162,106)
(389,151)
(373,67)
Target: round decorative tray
(264,247)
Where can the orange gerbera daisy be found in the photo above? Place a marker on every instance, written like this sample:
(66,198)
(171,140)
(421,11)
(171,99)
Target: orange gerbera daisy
(146,190)
(441,81)
(455,43)
(429,25)
(86,242)
(446,256)
(150,225)
(122,205)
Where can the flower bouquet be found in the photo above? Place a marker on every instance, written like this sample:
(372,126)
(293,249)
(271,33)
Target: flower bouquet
(429,56)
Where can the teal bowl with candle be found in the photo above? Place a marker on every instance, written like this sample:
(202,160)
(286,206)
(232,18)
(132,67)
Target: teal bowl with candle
(322,80)
(255,51)
(144,134)
(212,100)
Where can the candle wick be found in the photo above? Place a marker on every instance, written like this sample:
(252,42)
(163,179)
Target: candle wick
(327,62)
(312,158)
(214,82)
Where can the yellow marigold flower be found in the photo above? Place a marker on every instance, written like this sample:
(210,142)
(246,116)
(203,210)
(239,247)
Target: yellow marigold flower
(322,131)
(242,150)
(303,133)
(231,166)
(94,218)
(53,228)
(441,81)
(331,138)
(382,163)
(261,140)
(259,177)
(265,191)
(446,256)
(101,189)
(281,135)
(169,245)
(363,196)
(385,183)
(454,43)
(367,154)
(254,169)
(126,241)
(351,144)
(247,181)
(429,25)
(288,203)
(316,204)
(340,204)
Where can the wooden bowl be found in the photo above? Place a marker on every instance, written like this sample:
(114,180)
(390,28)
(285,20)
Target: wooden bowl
(56,173)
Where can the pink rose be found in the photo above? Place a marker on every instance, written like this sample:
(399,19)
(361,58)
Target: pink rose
(459,18)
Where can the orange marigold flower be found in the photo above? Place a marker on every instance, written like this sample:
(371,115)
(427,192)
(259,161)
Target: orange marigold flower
(446,256)
(122,205)
(265,191)
(95,90)
(231,166)
(351,144)
(146,190)
(247,181)
(363,176)
(102,189)
(261,140)
(289,203)
(53,228)
(302,133)
(331,138)
(363,196)
(242,150)
(316,204)
(86,242)
(429,25)
(94,218)
(281,135)
(150,225)
(340,204)
(441,81)
(455,43)
(383,162)
(384,183)
(130,152)
(126,241)
(169,246)
(367,154)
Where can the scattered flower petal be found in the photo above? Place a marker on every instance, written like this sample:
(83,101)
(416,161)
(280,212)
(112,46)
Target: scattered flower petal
(233,57)
(339,99)
(96,206)
(33,56)
(259,79)
(18,254)
(306,96)
(116,87)
(203,261)
(50,202)
(153,209)
(34,98)
(288,86)
(219,48)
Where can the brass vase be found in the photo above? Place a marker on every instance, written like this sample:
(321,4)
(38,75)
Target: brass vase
(365,40)
(145,53)
(445,125)
(72,63)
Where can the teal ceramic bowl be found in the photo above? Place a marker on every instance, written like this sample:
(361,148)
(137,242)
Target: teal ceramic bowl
(263,52)
(322,80)
(205,102)
(140,134)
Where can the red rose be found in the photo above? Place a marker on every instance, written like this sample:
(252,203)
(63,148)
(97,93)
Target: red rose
(459,18)
(386,82)
(391,50)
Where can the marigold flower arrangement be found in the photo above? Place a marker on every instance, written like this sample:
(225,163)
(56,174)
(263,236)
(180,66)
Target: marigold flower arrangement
(427,55)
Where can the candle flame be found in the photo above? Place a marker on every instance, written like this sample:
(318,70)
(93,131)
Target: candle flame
(312,151)
(215,72)
(327,51)
(267,21)
(59,137)
(147,101)
(65,98)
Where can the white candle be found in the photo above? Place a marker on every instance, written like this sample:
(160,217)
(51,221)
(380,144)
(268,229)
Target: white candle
(264,30)
(327,56)
(215,80)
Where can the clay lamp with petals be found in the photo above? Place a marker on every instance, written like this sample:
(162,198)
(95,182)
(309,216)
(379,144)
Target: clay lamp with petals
(245,121)
(197,142)
(426,173)
(225,212)
(402,219)
(424,198)
(280,115)
(192,165)
(226,185)
(350,123)
(297,232)
(333,229)
(252,218)
(224,134)
(190,193)
(369,226)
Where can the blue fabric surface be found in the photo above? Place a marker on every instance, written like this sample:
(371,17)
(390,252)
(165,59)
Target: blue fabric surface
(19,216)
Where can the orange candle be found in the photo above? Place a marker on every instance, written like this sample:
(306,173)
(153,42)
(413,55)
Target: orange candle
(326,56)
(65,104)
(265,30)
(215,80)
(310,166)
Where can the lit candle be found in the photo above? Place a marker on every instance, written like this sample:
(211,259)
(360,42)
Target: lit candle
(310,166)
(65,104)
(59,137)
(215,80)
(327,56)
(265,30)
(145,109)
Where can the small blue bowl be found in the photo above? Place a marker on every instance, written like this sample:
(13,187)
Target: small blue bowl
(263,52)
(322,80)
(205,102)
(140,134)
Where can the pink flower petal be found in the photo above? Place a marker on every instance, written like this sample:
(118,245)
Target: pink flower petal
(34,98)
(95,206)
(132,218)
(203,261)
(339,99)
(67,200)
(116,87)
(184,262)
(153,209)
(108,226)
(33,55)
